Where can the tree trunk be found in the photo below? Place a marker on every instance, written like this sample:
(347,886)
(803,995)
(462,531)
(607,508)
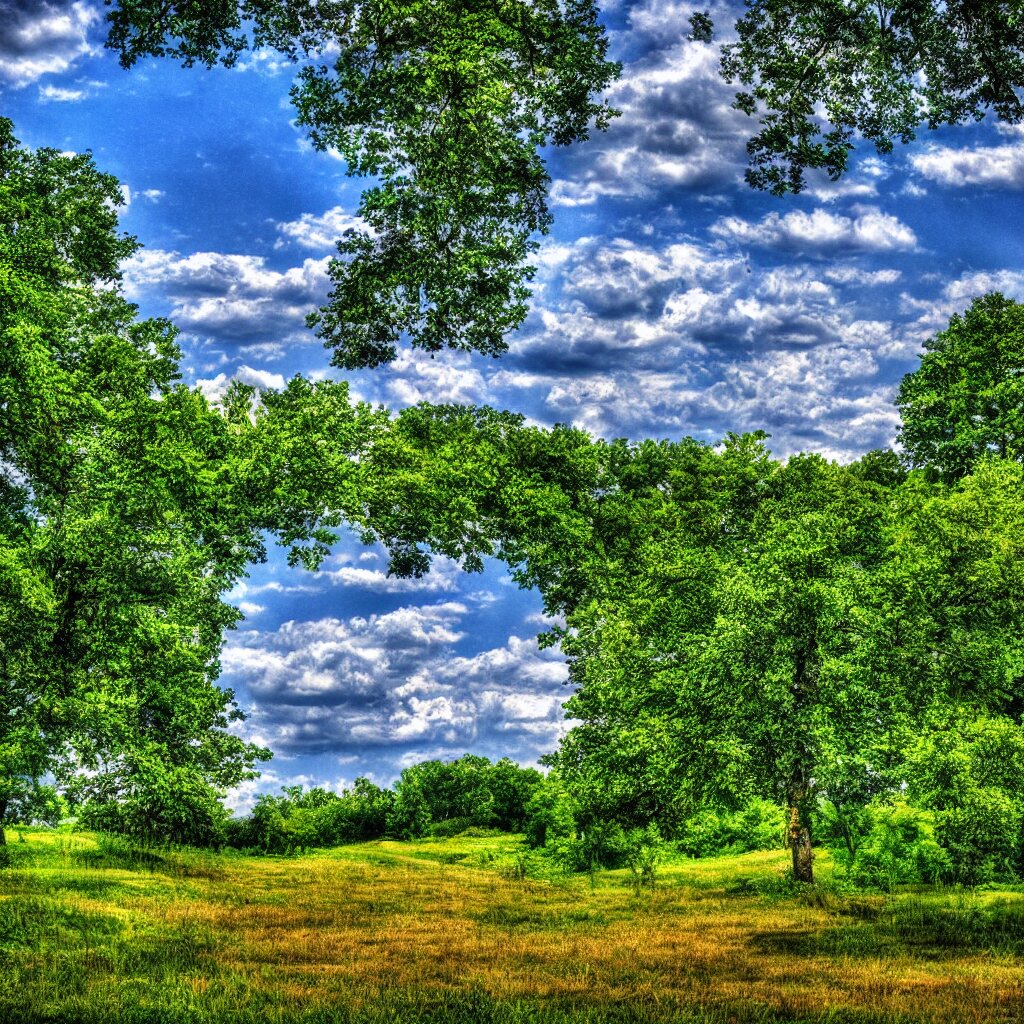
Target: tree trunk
(3,836)
(800,839)
(798,792)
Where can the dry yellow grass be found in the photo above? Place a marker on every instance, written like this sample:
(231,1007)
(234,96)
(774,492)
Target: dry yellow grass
(292,936)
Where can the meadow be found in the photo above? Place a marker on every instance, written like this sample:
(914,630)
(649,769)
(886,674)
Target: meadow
(476,928)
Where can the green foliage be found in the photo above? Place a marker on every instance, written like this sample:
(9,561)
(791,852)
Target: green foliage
(577,839)
(760,825)
(736,654)
(154,800)
(898,847)
(970,775)
(304,819)
(966,399)
(446,106)
(550,813)
(32,803)
(445,798)
(433,798)
(877,70)
(128,508)
(737,627)
(644,848)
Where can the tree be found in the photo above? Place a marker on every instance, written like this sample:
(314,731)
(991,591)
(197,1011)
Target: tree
(970,772)
(878,70)
(966,399)
(711,600)
(444,797)
(446,105)
(745,655)
(129,506)
(737,628)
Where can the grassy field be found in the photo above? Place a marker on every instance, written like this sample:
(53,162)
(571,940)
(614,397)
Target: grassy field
(450,931)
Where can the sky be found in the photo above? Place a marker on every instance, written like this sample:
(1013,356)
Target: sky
(670,300)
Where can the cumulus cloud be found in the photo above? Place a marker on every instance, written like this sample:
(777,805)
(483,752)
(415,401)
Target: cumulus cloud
(318,232)
(40,37)
(392,681)
(670,338)
(215,388)
(53,94)
(859,276)
(678,129)
(997,167)
(933,313)
(230,297)
(443,576)
(869,230)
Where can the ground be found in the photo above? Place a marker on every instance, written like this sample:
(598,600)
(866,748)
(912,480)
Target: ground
(479,929)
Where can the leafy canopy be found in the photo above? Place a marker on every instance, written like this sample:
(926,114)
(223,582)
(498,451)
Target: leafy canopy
(446,105)
(966,399)
(818,74)
(736,627)
(129,507)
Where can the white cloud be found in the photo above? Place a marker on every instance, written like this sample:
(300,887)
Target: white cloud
(443,577)
(214,388)
(53,94)
(999,167)
(319,232)
(230,296)
(44,37)
(392,681)
(678,130)
(869,230)
(858,276)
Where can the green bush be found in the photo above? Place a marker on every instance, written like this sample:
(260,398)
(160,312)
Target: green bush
(970,773)
(157,803)
(982,835)
(898,848)
(760,825)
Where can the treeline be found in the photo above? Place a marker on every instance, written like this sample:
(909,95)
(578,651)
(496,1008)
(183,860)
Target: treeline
(433,798)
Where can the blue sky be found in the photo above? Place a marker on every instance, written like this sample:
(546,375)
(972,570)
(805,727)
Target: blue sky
(671,300)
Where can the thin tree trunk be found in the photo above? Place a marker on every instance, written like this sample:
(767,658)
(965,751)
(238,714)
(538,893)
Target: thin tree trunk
(798,791)
(800,839)
(3,836)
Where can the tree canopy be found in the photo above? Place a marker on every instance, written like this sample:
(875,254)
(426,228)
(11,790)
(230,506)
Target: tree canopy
(966,399)
(736,626)
(447,105)
(818,75)
(129,506)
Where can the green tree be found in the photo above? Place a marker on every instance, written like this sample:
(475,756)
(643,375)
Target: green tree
(737,628)
(129,507)
(874,70)
(711,600)
(966,399)
(743,656)
(446,105)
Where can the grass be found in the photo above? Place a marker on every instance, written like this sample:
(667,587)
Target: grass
(93,930)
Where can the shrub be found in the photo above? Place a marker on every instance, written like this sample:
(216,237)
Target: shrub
(760,825)
(971,775)
(899,848)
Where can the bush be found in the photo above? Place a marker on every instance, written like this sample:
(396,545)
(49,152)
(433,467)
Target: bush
(899,848)
(449,828)
(971,775)
(157,803)
(643,851)
(982,836)
(760,825)
(470,790)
